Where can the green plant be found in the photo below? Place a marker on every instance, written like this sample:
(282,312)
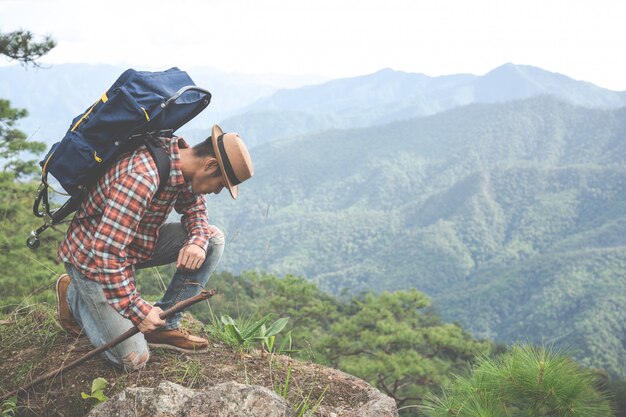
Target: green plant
(97,387)
(268,335)
(282,389)
(26,326)
(286,347)
(184,370)
(30,324)
(306,407)
(8,407)
(241,333)
(525,381)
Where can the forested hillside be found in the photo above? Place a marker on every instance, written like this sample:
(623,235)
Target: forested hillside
(511,216)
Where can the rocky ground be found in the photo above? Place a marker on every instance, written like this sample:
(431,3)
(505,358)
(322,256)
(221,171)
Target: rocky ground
(30,350)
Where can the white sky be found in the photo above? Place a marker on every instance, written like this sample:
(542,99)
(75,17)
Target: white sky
(583,39)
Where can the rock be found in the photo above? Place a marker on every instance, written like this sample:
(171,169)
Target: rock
(164,401)
(232,399)
(229,399)
(376,403)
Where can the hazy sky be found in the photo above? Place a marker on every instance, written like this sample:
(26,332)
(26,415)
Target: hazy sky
(583,39)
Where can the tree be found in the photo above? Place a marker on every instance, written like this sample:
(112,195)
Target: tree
(21,46)
(24,274)
(394,342)
(13,142)
(27,276)
(525,381)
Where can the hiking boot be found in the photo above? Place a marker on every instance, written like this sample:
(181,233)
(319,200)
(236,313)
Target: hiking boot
(63,309)
(176,339)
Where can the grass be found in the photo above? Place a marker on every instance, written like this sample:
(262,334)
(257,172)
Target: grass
(8,407)
(305,402)
(184,370)
(26,335)
(30,325)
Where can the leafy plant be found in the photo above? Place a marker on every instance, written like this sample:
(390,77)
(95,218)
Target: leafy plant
(8,407)
(268,336)
(527,381)
(97,388)
(241,333)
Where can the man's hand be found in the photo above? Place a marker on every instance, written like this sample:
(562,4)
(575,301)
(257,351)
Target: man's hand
(152,321)
(190,257)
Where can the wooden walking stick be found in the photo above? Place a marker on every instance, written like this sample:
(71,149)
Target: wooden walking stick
(178,307)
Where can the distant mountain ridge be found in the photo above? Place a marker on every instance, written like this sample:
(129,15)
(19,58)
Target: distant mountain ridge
(263,108)
(504,83)
(389,95)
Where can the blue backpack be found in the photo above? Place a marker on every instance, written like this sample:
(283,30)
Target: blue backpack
(138,108)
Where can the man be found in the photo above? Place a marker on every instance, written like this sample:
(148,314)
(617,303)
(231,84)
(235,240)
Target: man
(119,228)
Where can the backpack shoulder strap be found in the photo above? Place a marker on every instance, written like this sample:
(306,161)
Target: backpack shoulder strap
(162,161)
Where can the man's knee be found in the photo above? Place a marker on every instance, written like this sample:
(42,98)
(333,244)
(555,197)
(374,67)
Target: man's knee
(134,360)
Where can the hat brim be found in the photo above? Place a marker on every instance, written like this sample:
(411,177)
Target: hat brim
(216,132)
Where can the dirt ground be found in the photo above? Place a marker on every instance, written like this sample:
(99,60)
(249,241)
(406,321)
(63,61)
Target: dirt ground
(61,395)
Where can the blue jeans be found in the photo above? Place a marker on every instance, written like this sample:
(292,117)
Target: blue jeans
(101,323)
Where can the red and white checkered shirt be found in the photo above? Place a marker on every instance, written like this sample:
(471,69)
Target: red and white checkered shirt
(117,225)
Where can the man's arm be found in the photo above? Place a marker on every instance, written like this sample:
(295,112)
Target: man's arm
(194,218)
(129,197)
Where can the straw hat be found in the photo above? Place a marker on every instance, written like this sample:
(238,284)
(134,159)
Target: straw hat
(233,158)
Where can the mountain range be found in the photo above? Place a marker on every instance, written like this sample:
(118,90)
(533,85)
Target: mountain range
(262,108)
(388,95)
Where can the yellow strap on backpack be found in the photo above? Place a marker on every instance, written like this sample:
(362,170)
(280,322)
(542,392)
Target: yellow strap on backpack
(103,98)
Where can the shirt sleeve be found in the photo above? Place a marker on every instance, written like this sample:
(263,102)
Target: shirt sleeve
(129,197)
(194,218)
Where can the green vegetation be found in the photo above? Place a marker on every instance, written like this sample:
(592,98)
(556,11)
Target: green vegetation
(97,391)
(14,142)
(510,216)
(25,276)
(242,333)
(306,407)
(185,370)
(8,407)
(395,341)
(525,381)
(21,46)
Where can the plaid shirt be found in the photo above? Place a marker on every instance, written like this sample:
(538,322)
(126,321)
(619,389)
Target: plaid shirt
(117,225)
